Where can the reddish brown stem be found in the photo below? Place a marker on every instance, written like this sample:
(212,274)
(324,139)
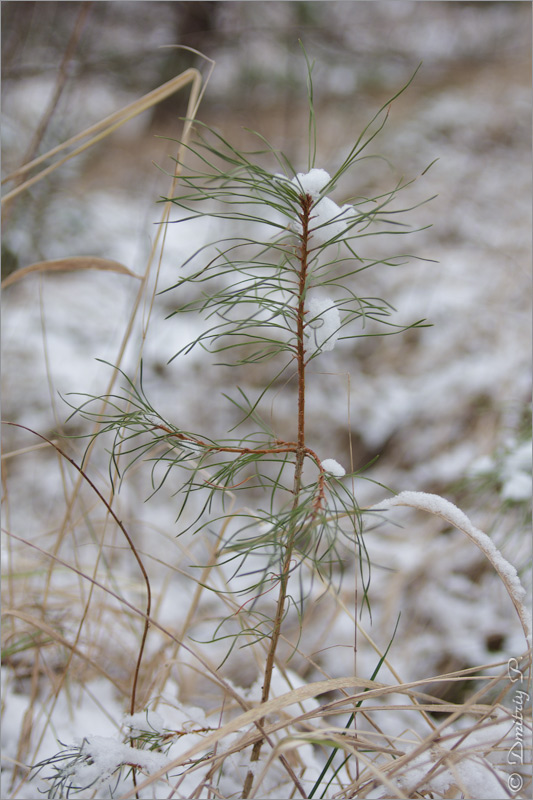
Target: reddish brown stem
(298,448)
(301,451)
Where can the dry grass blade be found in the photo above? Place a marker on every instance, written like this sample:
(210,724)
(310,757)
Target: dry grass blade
(370,689)
(102,129)
(272,706)
(70,264)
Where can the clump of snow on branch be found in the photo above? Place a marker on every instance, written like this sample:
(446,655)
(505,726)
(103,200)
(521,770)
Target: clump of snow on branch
(312,182)
(324,322)
(328,220)
(333,467)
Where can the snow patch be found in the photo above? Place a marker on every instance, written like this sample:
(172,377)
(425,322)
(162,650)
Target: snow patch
(333,467)
(324,321)
(104,755)
(312,182)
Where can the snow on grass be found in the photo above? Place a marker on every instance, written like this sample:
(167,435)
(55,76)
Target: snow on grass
(102,756)
(471,776)
(434,504)
(97,709)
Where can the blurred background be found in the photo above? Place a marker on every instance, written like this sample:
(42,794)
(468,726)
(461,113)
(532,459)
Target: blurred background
(433,400)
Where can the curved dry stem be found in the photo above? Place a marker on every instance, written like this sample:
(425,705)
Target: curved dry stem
(101,129)
(440,507)
(70,264)
(130,544)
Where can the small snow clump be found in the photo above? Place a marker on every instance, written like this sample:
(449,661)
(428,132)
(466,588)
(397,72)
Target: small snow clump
(328,220)
(517,487)
(324,321)
(512,469)
(483,465)
(103,756)
(312,182)
(333,467)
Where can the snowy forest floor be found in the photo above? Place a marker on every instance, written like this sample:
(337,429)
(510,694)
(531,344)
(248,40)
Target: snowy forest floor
(442,410)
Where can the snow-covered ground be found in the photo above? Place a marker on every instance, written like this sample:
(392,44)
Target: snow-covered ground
(446,407)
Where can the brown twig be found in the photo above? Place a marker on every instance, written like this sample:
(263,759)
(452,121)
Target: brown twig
(300,450)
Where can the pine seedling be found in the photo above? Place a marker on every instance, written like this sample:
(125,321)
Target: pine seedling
(281,289)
